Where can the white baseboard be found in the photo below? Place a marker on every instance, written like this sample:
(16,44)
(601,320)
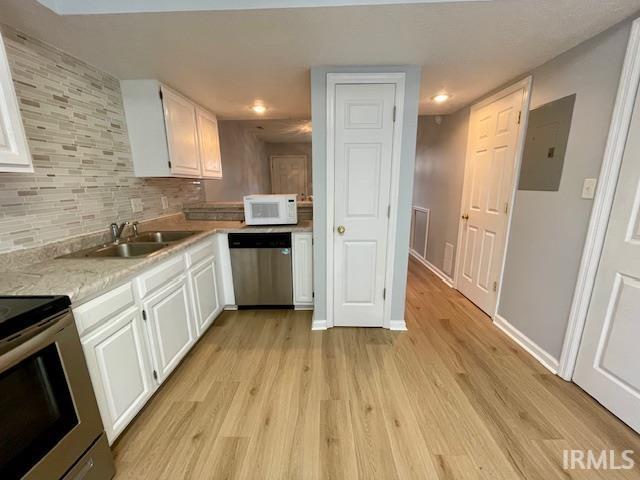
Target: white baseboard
(398,325)
(303,307)
(317,324)
(546,359)
(443,276)
(230,307)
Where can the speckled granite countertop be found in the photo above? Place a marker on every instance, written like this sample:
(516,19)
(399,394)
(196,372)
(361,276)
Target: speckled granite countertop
(85,278)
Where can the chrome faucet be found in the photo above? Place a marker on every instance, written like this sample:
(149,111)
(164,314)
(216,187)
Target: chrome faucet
(116,231)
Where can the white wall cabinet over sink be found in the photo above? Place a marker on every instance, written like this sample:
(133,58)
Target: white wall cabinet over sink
(170,135)
(14,150)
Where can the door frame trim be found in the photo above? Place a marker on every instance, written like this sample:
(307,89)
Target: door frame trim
(333,79)
(526,84)
(306,169)
(603,202)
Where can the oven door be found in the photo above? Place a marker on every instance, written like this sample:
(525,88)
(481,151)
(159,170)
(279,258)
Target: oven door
(48,412)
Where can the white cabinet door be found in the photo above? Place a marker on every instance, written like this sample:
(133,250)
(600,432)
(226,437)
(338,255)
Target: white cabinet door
(303,269)
(14,151)
(168,316)
(182,134)
(205,294)
(118,362)
(209,144)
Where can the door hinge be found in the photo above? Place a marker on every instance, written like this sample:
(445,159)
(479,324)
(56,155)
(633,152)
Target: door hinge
(394,113)
(519,116)
(313,294)
(160,93)
(389,211)
(506,207)
(384,293)
(495,286)
(144,314)
(155,375)
(169,162)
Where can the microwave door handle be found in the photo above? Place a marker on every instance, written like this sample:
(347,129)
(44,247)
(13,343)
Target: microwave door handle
(18,348)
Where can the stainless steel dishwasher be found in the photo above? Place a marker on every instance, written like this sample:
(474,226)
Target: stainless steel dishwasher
(261,266)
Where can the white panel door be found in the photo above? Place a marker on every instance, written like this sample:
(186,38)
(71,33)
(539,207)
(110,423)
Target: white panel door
(209,144)
(118,363)
(289,174)
(302,269)
(168,315)
(493,138)
(14,150)
(363,157)
(608,365)
(205,294)
(182,133)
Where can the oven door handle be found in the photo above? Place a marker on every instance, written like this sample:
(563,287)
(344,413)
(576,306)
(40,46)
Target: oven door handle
(18,348)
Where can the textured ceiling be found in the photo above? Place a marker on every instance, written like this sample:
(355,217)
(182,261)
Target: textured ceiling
(226,60)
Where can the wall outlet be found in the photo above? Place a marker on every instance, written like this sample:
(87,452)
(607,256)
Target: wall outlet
(589,188)
(136,205)
(165,202)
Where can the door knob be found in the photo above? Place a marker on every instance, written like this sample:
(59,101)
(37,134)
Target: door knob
(341,229)
(465,216)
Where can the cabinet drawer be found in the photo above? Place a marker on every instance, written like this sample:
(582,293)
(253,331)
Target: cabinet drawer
(203,250)
(95,312)
(160,275)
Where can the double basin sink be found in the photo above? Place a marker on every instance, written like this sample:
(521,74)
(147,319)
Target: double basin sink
(143,245)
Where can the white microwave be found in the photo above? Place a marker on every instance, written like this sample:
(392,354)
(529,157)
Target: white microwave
(270,209)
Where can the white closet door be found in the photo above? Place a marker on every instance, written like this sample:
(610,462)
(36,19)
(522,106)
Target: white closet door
(363,156)
(608,365)
(493,137)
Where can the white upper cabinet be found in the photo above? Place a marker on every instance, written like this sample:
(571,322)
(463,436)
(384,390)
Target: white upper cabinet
(182,134)
(14,150)
(170,135)
(209,144)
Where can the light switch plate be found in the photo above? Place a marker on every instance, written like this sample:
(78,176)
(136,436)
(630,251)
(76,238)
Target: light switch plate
(165,202)
(136,205)
(589,188)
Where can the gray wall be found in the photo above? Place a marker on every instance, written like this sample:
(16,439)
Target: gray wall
(294,149)
(439,177)
(75,126)
(407,161)
(245,164)
(549,228)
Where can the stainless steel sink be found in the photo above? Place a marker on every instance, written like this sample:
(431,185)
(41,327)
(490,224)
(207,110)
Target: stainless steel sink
(161,237)
(122,250)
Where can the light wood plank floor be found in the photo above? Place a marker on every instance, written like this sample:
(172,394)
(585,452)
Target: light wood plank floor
(261,396)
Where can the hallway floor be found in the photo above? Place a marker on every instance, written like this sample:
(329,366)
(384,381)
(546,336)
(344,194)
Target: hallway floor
(262,396)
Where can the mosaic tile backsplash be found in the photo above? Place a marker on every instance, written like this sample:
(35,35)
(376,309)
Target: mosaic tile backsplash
(75,126)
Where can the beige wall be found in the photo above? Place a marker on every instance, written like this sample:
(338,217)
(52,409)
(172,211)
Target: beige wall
(549,228)
(293,149)
(439,175)
(245,164)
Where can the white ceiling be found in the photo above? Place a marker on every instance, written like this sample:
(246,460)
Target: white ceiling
(227,59)
(75,7)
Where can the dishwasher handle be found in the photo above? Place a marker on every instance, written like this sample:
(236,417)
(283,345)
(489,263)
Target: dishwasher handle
(281,240)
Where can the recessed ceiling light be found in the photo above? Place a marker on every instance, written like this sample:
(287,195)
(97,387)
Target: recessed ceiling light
(441,97)
(259,108)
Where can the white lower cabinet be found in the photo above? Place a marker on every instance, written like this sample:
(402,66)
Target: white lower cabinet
(205,294)
(302,269)
(118,362)
(168,316)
